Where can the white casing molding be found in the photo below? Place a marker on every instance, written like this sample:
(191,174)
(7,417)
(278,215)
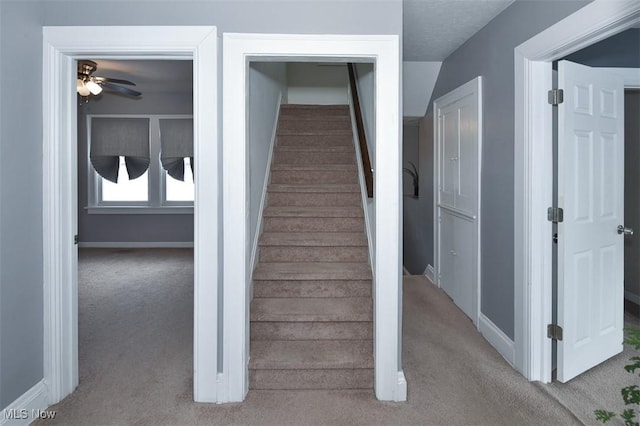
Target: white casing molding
(62,46)
(384,50)
(533,170)
(496,338)
(26,407)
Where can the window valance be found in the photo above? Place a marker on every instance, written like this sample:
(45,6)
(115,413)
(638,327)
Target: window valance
(176,142)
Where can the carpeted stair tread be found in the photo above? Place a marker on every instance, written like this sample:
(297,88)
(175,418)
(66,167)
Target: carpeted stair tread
(312,309)
(312,271)
(311,288)
(314,149)
(314,167)
(345,139)
(324,132)
(355,378)
(329,212)
(311,355)
(343,330)
(287,108)
(328,188)
(314,239)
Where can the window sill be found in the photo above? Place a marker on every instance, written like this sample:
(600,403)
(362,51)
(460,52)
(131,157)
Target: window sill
(139,210)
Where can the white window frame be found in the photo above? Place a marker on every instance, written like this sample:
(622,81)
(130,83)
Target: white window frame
(157,177)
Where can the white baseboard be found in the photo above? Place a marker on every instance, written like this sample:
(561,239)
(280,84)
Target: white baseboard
(401,389)
(429,273)
(30,406)
(129,244)
(632,297)
(497,338)
(405,271)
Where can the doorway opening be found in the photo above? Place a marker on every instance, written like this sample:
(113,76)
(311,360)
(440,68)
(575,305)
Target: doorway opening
(135,226)
(241,49)
(62,47)
(534,165)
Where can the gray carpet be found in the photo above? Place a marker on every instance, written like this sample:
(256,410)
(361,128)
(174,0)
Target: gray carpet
(135,325)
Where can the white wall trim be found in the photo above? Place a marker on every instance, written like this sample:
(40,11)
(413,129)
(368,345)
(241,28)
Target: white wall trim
(533,167)
(136,244)
(429,273)
(361,179)
(496,338)
(61,46)
(26,407)
(384,50)
(632,297)
(263,201)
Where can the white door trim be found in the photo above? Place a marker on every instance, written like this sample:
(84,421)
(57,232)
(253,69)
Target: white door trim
(61,47)
(384,51)
(533,169)
(470,88)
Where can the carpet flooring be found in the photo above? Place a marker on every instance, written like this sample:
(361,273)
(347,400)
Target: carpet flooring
(135,348)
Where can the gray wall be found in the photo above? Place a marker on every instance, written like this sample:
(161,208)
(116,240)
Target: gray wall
(317,84)
(620,50)
(631,196)
(489,53)
(21,329)
(21,301)
(129,227)
(412,231)
(365,80)
(267,81)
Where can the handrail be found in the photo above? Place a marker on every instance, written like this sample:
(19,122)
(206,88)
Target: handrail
(362,139)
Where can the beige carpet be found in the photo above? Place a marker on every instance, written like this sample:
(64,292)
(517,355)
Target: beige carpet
(136,355)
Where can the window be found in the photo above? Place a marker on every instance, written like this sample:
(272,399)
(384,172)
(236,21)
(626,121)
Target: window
(140,164)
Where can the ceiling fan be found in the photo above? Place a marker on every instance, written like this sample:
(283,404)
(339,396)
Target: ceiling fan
(89,84)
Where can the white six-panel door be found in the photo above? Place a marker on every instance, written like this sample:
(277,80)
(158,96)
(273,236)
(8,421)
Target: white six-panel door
(590,190)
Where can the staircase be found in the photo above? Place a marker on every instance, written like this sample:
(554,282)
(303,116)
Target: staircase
(311,315)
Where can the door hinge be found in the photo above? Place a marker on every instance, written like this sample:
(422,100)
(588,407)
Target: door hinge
(75,239)
(555,214)
(554,331)
(556,96)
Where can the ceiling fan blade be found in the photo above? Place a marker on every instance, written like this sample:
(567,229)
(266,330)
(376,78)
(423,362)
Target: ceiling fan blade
(123,90)
(113,80)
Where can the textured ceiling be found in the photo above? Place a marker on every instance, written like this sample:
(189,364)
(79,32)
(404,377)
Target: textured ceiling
(433,29)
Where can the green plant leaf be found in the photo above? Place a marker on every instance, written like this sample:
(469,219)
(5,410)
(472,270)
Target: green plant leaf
(631,394)
(629,416)
(635,365)
(632,337)
(604,415)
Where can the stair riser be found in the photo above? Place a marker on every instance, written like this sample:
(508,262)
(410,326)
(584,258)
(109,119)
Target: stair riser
(313,224)
(313,254)
(326,132)
(311,331)
(315,140)
(311,379)
(312,177)
(306,113)
(313,157)
(283,289)
(299,124)
(317,276)
(306,199)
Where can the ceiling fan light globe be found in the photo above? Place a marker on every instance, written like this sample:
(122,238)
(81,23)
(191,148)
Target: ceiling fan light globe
(93,87)
(83,90)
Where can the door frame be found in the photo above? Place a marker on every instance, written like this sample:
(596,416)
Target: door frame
(62,46)
(471,88)
(533,168)
(384,52)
